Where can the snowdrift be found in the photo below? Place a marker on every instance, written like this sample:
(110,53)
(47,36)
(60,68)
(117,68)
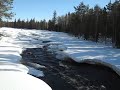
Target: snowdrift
(61,44)
(13,74)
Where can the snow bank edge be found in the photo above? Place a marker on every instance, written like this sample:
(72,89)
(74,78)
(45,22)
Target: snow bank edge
(96,62)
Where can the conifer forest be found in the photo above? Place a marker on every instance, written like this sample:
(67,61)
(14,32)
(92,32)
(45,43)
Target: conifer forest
(98,24)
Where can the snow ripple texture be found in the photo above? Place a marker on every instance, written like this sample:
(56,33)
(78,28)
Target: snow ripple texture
(13,74)
(79,50)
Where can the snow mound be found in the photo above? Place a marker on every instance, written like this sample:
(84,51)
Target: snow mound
(13,74)
(57,49)
(12,80)
(55,46)
(35,72)
(10,52)
(7,66)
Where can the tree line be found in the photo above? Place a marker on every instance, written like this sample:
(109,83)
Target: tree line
(96,24)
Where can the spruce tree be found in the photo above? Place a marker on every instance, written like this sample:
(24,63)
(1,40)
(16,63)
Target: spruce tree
(54,19)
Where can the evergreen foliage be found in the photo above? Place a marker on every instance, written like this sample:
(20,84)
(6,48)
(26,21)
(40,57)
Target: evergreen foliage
(96,24)
(5,7)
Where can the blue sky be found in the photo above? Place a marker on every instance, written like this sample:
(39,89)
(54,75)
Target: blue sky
(43,9)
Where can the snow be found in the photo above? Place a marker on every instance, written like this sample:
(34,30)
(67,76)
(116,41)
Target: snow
(12,80)
(83,51)
(35,72)
(7,66)
(62,44)
(55,46)
(13,74)
(61,55)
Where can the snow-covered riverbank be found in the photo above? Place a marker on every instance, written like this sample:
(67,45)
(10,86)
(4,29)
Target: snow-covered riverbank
(77,49)
(13,74)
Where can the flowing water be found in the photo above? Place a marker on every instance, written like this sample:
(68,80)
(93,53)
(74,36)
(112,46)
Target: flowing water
(68,75)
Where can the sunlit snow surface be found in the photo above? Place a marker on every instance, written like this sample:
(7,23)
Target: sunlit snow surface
(78,49)
(13,74)
(13,80)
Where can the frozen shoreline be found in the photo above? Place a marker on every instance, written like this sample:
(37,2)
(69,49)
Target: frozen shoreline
(77,49)
(13,74)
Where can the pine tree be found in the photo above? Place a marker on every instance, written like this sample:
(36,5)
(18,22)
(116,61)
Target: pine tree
(5,8)
(54,19)
(97,10)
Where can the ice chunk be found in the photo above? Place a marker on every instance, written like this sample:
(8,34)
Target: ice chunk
(35,72)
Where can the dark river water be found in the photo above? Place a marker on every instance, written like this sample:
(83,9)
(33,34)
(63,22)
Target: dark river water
(69,75)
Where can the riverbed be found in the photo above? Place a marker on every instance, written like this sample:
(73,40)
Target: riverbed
(69,75)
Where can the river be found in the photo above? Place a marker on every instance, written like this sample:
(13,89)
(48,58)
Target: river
(69,75)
